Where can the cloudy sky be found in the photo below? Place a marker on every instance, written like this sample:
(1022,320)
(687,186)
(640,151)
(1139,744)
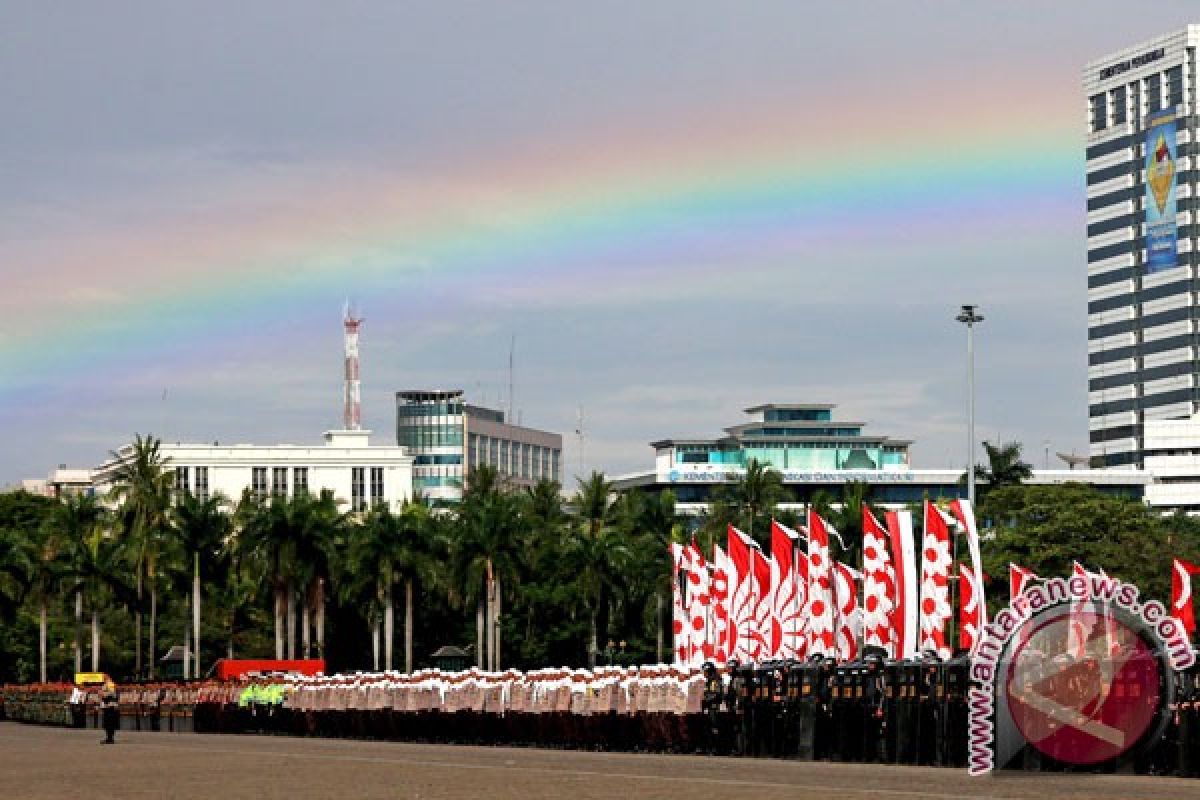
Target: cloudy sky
(677,209)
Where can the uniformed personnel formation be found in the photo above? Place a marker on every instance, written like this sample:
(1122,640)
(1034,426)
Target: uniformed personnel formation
(899,712)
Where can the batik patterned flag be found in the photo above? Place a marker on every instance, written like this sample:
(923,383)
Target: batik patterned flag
(787,594)
(935,582)
(970,609)
(718,628)
(879,586)
(822,636)
(680,638)
(743,633)
(1181,593)
(849,621)
(965,515)
(1018,579)
(698,600)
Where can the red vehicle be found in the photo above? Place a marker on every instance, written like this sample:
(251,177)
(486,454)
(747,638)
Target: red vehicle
(231,668)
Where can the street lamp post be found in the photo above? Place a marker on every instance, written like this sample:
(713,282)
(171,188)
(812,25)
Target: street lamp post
(969,317)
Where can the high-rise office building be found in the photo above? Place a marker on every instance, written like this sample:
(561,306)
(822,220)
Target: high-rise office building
(448,438)
(1143,303)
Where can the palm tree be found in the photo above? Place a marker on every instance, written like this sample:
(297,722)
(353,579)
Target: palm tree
(597,551)
(760,489)
(485,556)
(96,565)
(142,489)
(649,523)
(1004,467)
(385,550)
(264,537)
(50,564)
(17,566)
(201,528)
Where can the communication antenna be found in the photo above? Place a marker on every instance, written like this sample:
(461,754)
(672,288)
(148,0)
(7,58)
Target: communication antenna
(352,394)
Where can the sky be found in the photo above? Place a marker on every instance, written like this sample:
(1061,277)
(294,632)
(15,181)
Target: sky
(676,211)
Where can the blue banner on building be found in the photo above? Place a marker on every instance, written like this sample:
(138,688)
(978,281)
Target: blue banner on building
(1160,193)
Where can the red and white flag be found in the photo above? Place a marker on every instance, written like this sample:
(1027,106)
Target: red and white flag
(720,591)
(822,637)
(879,586)
(965,514)
(905,617)
(698,600)
(763,610)
(681,642)
(1077,630)
(1181,594)
(849,622)
(787,594)
(971,615)
(1018,579)
(744,638)
(935,581)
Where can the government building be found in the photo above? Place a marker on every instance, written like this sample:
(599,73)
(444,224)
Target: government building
(449,437)
(815,452)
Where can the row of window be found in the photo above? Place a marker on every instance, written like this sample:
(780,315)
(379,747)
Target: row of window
(279,481)
(1113,107)
(358,494)
(424,437)
(529,462)
(183,481)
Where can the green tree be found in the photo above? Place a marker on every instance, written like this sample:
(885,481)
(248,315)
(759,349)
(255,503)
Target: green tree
(201,528)
(142,489)
(1004,468)
(96,565)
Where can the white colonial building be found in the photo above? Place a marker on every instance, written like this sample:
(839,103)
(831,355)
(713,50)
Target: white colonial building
(358,473)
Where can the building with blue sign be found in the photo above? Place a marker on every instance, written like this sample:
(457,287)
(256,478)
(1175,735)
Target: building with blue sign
(814,452)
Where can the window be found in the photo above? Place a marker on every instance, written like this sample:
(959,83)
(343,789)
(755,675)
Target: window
(300,480)
(376,485)
(504,469)
(1174,87)
(1154,92)
(535,470)
(554,465)
(182,483)
(494,452)
(357,494)
(1099,112)
(202,483)
(525,461)
(546,473)
(430,459)
(279,481)
(258,482)
(1119,106)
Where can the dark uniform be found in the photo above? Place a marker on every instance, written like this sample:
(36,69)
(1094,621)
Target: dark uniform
(714,697)
(110,709)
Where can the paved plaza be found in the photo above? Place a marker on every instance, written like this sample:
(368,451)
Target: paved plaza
(38,762)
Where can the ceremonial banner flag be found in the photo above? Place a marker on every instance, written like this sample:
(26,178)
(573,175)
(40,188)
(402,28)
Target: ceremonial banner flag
(905,618)
(744,602)
(1077,632)
(1181,593)
(698,600)
(965,514)
(935,582)
(1018,579)
(879,586)
(680,628)
(787,594)
(720,590)
(820,589)
(849,622)
(970,609)
(763,611)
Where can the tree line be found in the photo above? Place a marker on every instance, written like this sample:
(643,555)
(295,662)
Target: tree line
(518,577)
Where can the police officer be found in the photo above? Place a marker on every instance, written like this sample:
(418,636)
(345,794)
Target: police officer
(744,687)
(874,697)
(110,708)
(714,697)
(823,736)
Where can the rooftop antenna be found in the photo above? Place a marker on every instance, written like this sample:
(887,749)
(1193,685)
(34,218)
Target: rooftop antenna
(352,394)
(512,345)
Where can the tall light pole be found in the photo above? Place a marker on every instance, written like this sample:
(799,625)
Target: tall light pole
(969,317)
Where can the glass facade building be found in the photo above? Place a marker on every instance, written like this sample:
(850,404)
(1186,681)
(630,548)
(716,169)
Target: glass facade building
(449,437)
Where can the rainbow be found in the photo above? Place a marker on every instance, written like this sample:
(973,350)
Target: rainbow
(592,213)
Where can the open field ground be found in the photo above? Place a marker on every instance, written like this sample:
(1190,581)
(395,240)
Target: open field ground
(56,763)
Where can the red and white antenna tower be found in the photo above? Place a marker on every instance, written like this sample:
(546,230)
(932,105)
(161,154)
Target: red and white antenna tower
(352,410)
